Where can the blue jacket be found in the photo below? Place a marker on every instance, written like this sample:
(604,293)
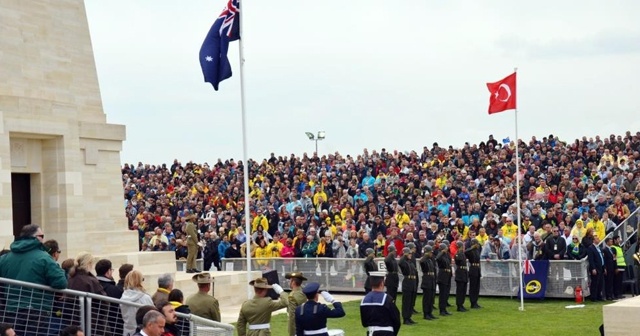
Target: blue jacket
(313,316)
(28,262)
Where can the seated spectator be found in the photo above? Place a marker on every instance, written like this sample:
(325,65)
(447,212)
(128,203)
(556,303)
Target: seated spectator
(133,292)
(176,298)
(575,250)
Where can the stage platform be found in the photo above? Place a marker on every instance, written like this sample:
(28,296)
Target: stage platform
(620,317)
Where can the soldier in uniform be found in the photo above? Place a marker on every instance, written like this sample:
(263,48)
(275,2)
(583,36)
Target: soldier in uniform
(461,276)
(311,316)
(473,255)
(392,281)
(296,298)
(378,313)
(428,285)
(444,278)
(201,303)
(257,311)
(414,261)
(192,245)
(409,285)
(369,266)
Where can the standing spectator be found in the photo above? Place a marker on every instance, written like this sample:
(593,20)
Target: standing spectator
(81,278)
(53,249)
(596,270)
(28,310)
(104,274)
(122,273)
(165,285)
(134,293)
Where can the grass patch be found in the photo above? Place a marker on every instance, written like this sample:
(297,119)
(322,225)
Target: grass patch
(498,316)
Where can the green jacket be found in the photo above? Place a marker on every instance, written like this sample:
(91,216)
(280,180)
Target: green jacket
(296,298)
(28,262)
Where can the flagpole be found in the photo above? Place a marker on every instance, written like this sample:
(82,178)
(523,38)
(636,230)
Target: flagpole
(245,155)
(515,70)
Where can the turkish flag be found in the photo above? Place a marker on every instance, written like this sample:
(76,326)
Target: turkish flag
(503,94)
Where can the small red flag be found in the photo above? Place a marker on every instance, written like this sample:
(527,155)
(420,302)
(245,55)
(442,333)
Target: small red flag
(503,94)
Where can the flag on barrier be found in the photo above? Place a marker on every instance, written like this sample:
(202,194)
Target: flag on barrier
(534,279)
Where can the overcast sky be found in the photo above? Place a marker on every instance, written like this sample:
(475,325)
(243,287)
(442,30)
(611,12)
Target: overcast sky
(371,73)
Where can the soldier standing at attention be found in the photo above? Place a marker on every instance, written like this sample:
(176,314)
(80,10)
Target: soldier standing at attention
(369,266)
(444,278)
(392,281)
(409,285)
(296,298)
(414,261)
(473,255)
(257,311)
(462,277)
(378,313)
(428,285)
(311,316)
(192,245)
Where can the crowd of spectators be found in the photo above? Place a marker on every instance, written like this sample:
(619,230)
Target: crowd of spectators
(338,206)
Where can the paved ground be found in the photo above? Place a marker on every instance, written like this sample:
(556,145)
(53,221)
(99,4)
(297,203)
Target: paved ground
(230,314)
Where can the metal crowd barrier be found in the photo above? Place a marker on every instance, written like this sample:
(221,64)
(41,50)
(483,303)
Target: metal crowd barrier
(499,277)
(40,310)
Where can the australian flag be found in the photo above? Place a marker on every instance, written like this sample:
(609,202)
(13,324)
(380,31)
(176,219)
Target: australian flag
(213,53)
(534,278)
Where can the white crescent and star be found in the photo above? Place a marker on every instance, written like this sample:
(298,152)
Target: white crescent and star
(507,89)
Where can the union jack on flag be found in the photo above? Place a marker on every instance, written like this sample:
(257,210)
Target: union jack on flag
(527,267)
(213,53)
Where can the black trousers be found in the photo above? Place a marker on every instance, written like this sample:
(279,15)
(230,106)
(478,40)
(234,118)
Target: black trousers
(428,296)
(617,282)
(408,299)
(461,293)
(415,296)
(393,292)
(596,285)
(443,295)
(474,290)
(608,283)
(207,263)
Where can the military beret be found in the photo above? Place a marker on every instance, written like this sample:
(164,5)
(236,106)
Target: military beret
(443,247)
(406,250)
(428,249)
(391,248)
(369,251)
(411,245)
(431,243)
(459,244)
(474,241)
(445,242)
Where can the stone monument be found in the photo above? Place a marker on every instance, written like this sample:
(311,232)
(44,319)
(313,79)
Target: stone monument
(59,158)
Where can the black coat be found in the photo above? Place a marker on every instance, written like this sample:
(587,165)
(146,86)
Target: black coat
(555,245)
(462,273)
(409,273)
(369,266)
(473,255)
(444,267)
(595,262)
(428,267)
(392,279)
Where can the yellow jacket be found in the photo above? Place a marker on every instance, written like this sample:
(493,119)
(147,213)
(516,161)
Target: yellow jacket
(259,220)
(262,252)
(316,197)
(274,245)
(510,231)
(598,228)
(343,212)
(402,220)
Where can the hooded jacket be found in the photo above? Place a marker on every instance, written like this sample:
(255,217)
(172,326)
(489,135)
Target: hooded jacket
(29,262)
(129,312)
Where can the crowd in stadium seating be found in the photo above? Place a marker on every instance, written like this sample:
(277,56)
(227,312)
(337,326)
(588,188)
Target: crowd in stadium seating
(337,206)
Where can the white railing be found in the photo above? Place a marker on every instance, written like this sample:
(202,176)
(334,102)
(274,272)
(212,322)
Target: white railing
(499,277)
(34,309)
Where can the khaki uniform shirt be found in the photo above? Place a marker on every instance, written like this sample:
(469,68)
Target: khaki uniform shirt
(296,298)
(204,305)
(258,311)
